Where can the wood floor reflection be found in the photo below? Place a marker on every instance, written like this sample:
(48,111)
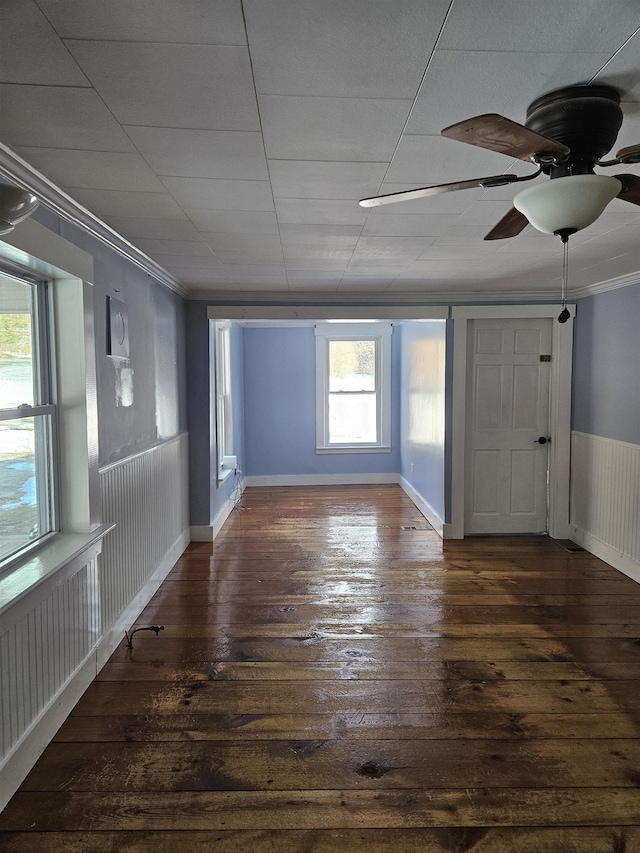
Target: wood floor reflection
(329,681)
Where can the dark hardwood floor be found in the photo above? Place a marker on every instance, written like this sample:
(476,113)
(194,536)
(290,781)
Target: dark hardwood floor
(329,682)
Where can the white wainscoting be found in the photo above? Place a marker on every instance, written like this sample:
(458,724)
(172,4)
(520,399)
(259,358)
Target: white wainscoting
(605,500)
(148,499)
(57,637)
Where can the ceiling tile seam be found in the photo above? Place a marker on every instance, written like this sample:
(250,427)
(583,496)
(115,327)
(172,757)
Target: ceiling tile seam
(413,103)
(65,39)
(613,55)
(264,148)
(70,55)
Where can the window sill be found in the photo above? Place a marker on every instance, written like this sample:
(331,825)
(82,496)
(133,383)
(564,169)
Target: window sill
(356,448)
(224,474)
(31,572)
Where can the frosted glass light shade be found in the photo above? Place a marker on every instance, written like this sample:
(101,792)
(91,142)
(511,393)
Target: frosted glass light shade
(572,202)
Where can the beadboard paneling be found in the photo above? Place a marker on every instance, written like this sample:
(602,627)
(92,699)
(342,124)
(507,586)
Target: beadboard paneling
(605,497)
(147,498)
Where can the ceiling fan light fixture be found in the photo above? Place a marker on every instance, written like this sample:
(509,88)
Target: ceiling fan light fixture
(569,203)
(15,205)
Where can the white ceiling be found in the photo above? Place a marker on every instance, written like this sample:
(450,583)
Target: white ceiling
(230,141)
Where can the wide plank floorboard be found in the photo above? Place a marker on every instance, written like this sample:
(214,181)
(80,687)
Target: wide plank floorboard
(329,681)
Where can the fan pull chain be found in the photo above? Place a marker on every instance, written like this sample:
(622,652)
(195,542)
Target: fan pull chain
(565,273)
(564,314)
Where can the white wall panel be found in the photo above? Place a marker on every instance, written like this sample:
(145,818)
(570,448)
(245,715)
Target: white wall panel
(55,638)
(605,499)
(41,650)
(147,498)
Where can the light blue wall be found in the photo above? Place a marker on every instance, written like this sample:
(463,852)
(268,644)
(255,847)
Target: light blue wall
(280,405)
(206,497)
(157,366)
(422,447)
(606,367)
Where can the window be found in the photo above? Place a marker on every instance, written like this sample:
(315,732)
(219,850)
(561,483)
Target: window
(27,418)
(224,411)
(353,387)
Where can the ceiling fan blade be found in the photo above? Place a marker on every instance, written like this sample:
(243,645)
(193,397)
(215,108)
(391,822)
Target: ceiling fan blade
(407,195)
(498,133)
(630,154)
(630,188)
(509,226)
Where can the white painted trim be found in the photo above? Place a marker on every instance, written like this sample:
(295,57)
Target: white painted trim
(605,552)
(208,532)
(560,409)
(322,479)
(39,735)
(602,286)
(127,459)
(424,506)
(302,306)
(19,172)
(110,640)
(46,724)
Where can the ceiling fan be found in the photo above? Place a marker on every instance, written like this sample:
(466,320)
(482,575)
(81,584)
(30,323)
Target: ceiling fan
(566,133)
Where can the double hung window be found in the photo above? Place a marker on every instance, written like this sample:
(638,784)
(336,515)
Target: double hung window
(224,410)
(353,387)
(27,418)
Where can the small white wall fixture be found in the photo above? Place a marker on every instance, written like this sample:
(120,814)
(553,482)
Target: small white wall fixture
(560,409)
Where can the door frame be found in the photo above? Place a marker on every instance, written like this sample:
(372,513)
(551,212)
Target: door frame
(559,408)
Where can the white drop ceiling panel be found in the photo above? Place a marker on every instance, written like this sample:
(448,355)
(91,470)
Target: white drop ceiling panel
(94,169)
(540,25)
(233,221)
(130,204)
(171,85)
(30,50)
(201,153)
(339,48)
(312,211)
(409,225)
(174,247)
(363,129)
(137,228)
(59,117)
(232,141)
(316,179)
(210,194)
(186,22)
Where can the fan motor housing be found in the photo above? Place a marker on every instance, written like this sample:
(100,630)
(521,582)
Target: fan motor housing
(585,118)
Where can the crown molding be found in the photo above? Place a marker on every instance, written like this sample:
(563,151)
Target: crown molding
(602,286)
(442,297)
(21,173)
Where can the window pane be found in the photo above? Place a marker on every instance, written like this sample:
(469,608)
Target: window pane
(25,477)
(352,366)
(16,356)
(352,418)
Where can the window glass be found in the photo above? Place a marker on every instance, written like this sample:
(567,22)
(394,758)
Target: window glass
(27,418)
(353,388)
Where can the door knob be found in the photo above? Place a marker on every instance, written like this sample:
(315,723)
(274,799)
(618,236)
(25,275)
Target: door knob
(542,440)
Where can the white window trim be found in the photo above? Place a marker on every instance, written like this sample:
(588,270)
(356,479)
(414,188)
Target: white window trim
(34,250)
(381,334)
(226,460)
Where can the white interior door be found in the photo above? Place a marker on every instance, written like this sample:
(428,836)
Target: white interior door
(507,413)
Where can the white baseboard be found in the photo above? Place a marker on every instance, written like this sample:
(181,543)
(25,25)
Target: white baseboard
(208,532)
(44,727)
(605,552)
(109,641)
(426,509)
(322,480)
